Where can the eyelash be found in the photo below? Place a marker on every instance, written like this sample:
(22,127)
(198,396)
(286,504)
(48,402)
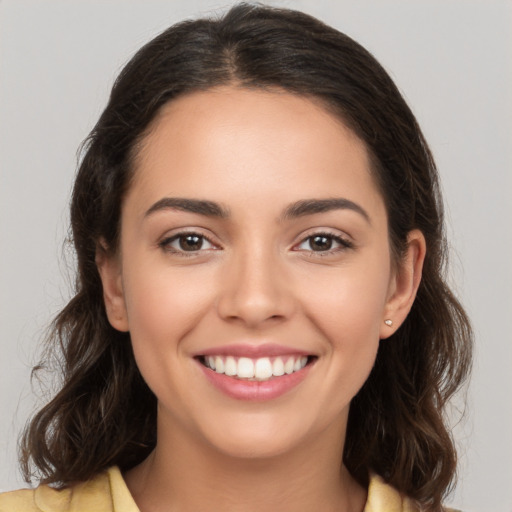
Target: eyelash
(343,242)
(165,244)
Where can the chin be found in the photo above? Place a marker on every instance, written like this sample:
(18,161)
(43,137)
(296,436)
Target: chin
(259,437)
(258,447)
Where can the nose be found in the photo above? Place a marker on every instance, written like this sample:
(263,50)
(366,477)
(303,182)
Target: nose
(255,290)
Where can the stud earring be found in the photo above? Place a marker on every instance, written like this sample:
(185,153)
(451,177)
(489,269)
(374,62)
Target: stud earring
(388,322)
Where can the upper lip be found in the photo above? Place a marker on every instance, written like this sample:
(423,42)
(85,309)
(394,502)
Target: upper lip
(253,351)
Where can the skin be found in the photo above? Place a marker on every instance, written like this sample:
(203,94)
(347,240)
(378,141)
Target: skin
(256,279)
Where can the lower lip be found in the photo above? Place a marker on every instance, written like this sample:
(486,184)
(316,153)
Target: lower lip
(255,390)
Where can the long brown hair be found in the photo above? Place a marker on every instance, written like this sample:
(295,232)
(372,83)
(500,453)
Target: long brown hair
(104,413)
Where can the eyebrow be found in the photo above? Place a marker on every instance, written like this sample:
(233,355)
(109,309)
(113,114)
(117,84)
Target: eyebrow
(312,206)
(298,209)
(200,206)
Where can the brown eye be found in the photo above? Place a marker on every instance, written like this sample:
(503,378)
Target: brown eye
(320,243)
(324,242)
(190,242)
(186,243)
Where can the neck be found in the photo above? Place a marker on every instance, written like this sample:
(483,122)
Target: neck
(184,475)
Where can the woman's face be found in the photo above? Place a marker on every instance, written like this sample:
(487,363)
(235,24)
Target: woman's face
(254,271)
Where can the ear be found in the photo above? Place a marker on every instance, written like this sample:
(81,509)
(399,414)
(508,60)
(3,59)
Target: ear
(404,284)
(109,268)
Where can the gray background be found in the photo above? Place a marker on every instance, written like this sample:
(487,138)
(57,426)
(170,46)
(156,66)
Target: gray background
(453,62)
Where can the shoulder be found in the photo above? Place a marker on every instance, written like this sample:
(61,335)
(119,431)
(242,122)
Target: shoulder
(18,501)
(106,492)
(382,497)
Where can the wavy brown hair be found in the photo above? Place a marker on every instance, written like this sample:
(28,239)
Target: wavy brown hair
(104,413)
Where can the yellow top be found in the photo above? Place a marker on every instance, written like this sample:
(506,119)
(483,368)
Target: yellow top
(107,492)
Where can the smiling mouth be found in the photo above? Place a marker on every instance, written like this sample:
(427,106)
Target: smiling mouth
(260,369)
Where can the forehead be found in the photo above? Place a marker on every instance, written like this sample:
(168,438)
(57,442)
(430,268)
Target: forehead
(230,141)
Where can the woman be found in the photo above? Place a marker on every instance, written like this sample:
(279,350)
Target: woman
(260,318)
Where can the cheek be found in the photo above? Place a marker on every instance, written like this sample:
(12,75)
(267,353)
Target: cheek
(348,303)
(347,309)
(163,306)
(352,327)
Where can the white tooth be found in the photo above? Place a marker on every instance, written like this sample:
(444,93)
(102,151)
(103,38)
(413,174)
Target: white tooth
(288,366)
(263,368)
(245,368)
(230,366)
(296,366)
(303,361)
(278,367)
(211,362)
(219,365)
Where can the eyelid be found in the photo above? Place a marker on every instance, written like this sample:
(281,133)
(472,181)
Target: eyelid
(343,240)
(166,240)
